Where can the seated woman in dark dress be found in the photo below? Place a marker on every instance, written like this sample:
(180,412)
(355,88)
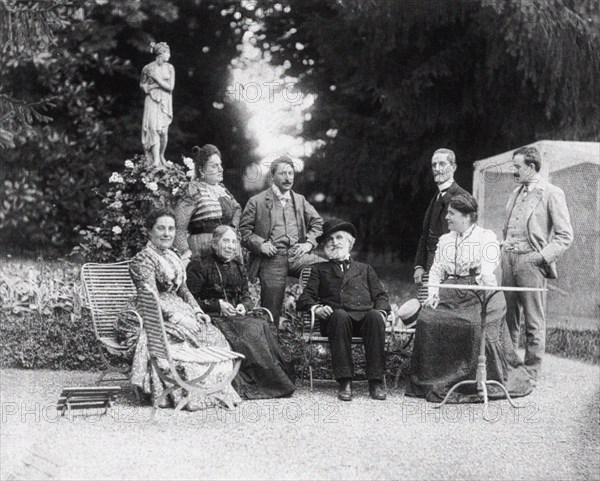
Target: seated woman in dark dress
(219,282)
(448,332)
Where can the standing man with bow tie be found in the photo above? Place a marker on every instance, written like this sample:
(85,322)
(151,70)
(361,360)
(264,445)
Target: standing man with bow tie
(537,231)
(443,165)
(350,300)
(280,228)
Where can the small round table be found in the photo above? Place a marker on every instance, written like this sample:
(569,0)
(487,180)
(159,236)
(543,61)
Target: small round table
(483,294)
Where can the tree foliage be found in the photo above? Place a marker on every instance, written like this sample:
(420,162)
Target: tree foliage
(397,79)
(83,75)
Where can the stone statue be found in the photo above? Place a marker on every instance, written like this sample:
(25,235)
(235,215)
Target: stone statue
(157,82)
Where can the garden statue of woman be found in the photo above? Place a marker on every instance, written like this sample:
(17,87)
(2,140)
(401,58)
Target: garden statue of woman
(157,82)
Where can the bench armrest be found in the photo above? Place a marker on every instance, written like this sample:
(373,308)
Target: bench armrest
(264,310)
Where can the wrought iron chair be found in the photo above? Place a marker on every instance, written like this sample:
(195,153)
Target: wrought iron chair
(107,289)
(311,332)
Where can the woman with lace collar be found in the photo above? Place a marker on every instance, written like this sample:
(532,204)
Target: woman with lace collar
(158,266)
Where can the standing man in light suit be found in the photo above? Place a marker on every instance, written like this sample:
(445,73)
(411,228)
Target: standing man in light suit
(537,231)
(280,228)
(443,165)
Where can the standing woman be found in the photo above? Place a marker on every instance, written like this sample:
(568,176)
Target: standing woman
(157,82)
(448,334)
(205,205)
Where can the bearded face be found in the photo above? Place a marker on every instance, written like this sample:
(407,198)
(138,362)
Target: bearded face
(338,246)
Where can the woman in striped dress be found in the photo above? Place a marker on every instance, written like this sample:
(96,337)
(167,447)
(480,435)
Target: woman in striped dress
(205,205)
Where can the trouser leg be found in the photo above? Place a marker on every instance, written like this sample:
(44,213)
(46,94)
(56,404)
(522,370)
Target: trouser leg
(529,275)
(273,275)
(339,332)
(373,334)
(513,306)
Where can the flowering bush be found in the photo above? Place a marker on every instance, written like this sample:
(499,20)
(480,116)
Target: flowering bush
(120,233)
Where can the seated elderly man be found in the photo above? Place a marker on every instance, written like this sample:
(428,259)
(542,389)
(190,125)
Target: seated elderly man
(351,301)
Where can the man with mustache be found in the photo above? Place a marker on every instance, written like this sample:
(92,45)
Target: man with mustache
(443,166)
(350,300)
(280,228)
(537,231)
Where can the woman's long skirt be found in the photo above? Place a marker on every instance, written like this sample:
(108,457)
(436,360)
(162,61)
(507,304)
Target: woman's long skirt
(447,346)
(267,372)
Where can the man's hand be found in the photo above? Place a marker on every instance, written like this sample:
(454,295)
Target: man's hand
(268,249)
(536,259)
(301,249)
(432,301)
(418,275)
(226,308)
(323,312)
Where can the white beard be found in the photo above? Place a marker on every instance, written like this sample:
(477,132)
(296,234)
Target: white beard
(337,254)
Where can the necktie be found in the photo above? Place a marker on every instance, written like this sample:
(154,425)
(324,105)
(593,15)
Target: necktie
(441,194)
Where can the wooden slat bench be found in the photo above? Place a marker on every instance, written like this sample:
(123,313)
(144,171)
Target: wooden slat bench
(159,348)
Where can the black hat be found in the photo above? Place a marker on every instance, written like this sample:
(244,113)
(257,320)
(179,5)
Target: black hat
(409,312)
(334,225)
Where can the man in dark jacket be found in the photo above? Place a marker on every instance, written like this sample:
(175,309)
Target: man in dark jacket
(349,299)
(443,165)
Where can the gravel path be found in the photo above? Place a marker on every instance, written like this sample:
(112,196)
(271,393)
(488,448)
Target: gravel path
(310,436)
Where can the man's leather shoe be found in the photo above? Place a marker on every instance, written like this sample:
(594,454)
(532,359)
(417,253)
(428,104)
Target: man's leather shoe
(376,390)
(345,390)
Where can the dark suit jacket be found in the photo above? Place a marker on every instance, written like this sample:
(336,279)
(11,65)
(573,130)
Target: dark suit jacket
(255,225)
(357,291)
(422,251)
(548,222)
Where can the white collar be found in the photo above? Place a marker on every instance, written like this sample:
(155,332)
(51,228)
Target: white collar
(466,233)
(281,195)
(445,185)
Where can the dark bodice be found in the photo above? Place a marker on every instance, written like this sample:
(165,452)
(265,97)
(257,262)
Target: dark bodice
(210,279)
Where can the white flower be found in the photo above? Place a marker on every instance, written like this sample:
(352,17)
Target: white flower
(153,186)
(190,173)
(189,163)
(129,164)
(116,178)
(117,230)
(97,229)
(117,204)
(175,190)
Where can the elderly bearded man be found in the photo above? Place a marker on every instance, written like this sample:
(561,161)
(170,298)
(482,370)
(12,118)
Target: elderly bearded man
(351,301)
